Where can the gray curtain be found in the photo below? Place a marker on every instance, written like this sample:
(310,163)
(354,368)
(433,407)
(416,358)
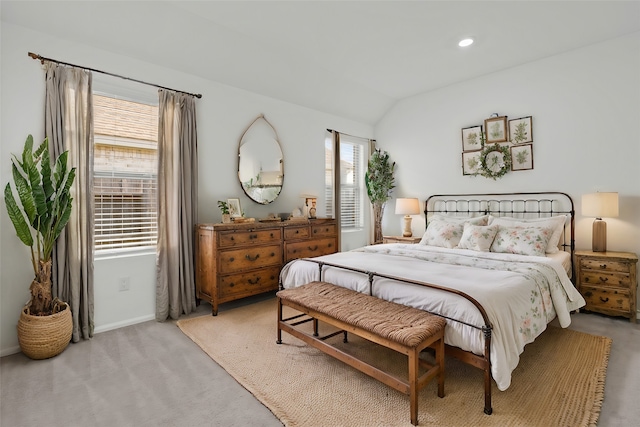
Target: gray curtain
(69,127)
(177,205)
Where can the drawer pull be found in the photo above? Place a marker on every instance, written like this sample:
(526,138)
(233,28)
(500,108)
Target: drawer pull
(604,279)
(232,238)
(588,294)
(250,258)
(231,259)
(604,299)
(253,282)
(231,285)
(297,231)
(253,236)
(273,254)
(271,235)
(603,265)
(315,248)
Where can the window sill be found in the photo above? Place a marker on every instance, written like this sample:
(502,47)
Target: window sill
(124,253)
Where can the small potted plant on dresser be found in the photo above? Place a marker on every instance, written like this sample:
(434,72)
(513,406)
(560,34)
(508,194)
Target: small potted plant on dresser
(224,208)
(45,325)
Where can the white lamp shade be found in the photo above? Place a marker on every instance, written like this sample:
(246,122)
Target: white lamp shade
(600,205)
(407,207)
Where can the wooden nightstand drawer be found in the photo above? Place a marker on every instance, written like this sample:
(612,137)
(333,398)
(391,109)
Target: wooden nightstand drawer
(401,239)
(601,299)
(323,230)
(604,265)
(293,233)
(602,278)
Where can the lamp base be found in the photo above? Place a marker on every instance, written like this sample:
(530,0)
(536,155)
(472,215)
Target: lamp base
(599,236)
(407,227)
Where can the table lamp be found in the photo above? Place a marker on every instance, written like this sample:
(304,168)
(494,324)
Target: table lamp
(407,207)
(600,205)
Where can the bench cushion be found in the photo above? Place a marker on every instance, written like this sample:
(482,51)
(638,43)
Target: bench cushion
(405,325)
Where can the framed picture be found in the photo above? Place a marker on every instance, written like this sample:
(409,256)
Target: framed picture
(522,157)
(496,129)
(472,138)
(471,162)
(234,208)
(520,130)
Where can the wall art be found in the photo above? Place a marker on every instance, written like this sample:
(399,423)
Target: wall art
(520,130)
(522,157)
(471,162)
(496,129)
(472,138)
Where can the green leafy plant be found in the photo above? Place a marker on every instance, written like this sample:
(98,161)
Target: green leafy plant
(224,207)
(379,181)
(43,212)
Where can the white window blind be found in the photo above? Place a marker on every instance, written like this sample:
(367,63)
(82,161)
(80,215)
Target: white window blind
(351,181)
(125,174)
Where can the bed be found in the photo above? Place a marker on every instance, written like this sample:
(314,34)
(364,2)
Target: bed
(496,266)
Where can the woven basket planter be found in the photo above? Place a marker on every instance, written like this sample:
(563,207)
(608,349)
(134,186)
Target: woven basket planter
(42,337)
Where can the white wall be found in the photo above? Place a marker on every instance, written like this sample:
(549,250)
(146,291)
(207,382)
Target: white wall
(586,111)
(223,114)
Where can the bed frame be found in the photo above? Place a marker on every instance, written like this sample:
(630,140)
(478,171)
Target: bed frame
(518,205)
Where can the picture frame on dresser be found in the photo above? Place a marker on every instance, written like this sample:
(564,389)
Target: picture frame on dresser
(235,211)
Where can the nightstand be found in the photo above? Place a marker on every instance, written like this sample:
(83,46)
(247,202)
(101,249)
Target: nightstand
(401,239)
(608,282)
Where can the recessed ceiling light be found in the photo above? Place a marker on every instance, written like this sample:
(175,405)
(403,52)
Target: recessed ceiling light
(465,42)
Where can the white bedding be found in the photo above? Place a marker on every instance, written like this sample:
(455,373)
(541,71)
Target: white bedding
(520,294)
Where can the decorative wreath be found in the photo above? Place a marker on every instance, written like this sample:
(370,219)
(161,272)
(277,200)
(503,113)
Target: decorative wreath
(485,168)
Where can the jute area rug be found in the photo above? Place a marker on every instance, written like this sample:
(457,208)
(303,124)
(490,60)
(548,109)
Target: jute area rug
(559,381)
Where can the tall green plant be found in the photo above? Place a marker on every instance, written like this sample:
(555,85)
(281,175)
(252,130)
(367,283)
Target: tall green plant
(379,181)
(44,210)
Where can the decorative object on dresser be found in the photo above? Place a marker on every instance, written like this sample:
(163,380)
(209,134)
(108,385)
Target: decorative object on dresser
(608,281)
(234,261)
(407,207)
(224,209)
(600,205)
(401,239)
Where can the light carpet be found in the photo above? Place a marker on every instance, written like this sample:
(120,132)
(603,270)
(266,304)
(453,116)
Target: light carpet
(559,381)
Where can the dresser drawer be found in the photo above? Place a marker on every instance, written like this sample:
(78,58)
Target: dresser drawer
(308,249)
(293,233)
(227,239)
(602,278)
(247,258)
(251,283)
(320,230)
(604,265)
(606,298)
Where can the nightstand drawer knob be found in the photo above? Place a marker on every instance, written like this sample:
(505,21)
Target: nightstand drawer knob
(604,279)
(604,299)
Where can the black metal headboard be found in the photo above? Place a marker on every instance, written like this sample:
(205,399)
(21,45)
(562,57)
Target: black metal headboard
(518,205)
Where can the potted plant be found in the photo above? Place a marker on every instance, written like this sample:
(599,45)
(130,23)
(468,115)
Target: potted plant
(224,208)
(379,181)
(45,325)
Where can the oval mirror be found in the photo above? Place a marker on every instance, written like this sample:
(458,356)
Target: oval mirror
(260,163)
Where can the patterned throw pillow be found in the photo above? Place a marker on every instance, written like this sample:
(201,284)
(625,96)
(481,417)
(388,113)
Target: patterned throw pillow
(477,237)
(522,240)
(446,232)
(557,223)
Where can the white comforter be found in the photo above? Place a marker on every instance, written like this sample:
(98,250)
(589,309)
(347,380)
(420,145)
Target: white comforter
(520,294)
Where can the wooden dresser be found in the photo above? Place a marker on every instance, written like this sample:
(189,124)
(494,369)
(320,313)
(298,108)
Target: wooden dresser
(608,282)
(234,261)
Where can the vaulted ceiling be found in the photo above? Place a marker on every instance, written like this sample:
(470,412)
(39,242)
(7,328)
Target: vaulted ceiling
(350,58)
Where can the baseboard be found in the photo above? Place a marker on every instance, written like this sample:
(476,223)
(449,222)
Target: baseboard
(128,322)
(9,351)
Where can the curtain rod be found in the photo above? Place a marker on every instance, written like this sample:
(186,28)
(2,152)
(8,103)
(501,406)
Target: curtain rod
(352,136)
(42,59)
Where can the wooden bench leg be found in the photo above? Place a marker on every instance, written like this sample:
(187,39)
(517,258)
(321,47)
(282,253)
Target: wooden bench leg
(413,385)
(440,362)
(279,339)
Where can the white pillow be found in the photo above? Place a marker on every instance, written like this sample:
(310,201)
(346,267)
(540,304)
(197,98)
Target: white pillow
(522,240)
(478,237)
(446,231)
(554,222)
(476,220)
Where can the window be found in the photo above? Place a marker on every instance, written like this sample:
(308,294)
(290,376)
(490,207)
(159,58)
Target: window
(125,175)
(352,190)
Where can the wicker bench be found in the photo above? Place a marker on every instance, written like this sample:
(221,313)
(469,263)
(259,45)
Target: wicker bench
(398,327)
